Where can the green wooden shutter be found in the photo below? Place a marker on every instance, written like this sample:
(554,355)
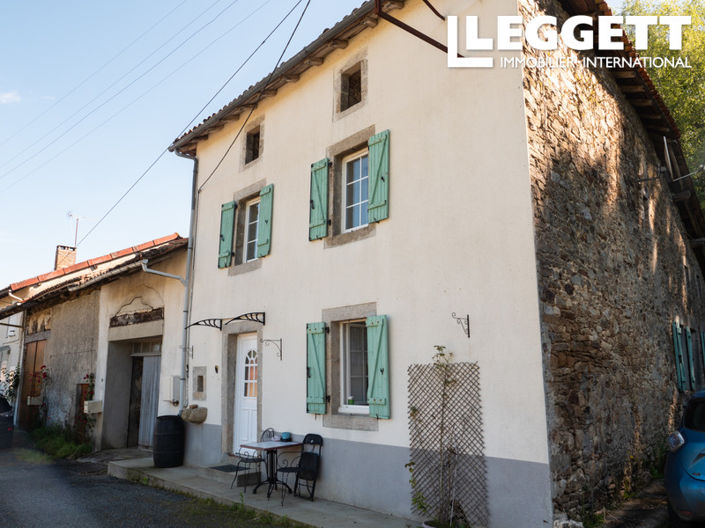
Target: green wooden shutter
(378,366)
(378,206)
(227,226)
(691,368)
(316,368)
(318,213)
(680,378)
(264,221)
(702,348)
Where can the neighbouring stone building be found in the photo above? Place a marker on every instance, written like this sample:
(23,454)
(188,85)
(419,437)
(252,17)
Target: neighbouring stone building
(103,331)
(615,269)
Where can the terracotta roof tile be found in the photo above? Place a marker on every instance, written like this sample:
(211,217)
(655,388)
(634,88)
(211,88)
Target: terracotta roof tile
(92,262)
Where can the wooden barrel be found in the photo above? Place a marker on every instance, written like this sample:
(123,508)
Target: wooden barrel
(169,436)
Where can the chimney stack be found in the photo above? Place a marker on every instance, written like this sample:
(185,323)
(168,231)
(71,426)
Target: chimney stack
(65,257)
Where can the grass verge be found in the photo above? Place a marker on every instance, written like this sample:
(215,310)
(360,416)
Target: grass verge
(59,442)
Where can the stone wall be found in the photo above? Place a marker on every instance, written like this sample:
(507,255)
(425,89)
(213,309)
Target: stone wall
(614,271)
(70,352)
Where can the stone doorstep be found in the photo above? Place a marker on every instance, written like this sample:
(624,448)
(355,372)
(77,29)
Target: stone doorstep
(196,482)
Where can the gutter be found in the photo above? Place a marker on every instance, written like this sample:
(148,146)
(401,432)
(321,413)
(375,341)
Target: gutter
(188,280)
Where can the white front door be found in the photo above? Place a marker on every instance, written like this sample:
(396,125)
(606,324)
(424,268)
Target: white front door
(245,391)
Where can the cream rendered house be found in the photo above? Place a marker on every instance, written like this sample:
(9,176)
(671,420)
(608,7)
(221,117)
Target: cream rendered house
(361,206)
(354,210)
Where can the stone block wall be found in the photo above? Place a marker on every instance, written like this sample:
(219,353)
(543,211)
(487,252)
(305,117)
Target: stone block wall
(70,352)
(614,271)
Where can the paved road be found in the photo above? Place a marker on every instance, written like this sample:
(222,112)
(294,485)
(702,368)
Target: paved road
(38,492)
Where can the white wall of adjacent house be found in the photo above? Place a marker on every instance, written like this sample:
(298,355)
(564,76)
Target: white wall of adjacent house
(10,343)
(134,294)
(459,238)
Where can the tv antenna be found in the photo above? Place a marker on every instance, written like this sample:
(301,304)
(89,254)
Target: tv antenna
(73,215)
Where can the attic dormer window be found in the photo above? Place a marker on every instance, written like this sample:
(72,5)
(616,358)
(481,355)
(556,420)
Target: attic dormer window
(351,87)
(252,146)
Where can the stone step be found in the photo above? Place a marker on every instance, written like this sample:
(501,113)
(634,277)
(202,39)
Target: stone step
(224,474)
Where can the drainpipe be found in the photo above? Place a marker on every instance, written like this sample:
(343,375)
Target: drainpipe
(188,280)
(145,262)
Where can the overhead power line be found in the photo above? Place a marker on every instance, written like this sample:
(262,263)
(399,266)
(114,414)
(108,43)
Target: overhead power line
(113,96)
(259,97)
(161,154)
(91,76)
(143,94)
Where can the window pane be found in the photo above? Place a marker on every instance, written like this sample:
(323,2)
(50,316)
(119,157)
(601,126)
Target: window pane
(349,212)
(364,161)
(363,192)
(363,213)
(252,232)
(349,194)
(356,191)
(353,170)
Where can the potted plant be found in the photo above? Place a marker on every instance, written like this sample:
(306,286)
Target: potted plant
(440,505)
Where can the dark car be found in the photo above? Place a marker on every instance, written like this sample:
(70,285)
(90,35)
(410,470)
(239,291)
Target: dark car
(685,465)
(6,426)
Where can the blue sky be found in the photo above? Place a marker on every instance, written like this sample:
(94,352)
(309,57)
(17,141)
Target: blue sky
(92,92)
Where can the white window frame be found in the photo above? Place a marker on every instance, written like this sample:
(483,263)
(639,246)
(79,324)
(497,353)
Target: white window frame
(246,234)
(344,369)
(344,195)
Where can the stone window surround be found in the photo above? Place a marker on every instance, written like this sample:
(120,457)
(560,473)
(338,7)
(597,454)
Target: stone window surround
(361,59)
(337,153)
(333,418)
(227,385)
(241,198)
(199,371)
(252,125)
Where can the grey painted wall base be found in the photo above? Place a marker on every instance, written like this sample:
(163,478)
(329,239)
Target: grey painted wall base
(373,476)
(370,476)
(202,444)
(519,493)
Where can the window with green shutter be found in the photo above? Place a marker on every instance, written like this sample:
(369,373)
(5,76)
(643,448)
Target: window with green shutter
(316,368)
(378,366)
(318,213)
(358,184)
(264,221)
(227,226)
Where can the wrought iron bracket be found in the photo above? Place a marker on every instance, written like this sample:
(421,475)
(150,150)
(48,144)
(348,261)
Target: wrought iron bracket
(219,323)
(277,343)
(464,322)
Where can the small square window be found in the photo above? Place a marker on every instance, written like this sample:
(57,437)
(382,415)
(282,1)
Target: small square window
(252,146)
(200,383)
(353,361)
(355,191)
(251,229)
(351,87)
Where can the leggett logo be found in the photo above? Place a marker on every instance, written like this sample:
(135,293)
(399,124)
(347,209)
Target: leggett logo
(577,33)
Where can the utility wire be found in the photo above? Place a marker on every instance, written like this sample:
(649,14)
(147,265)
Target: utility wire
(259,97)
(148,91)
(96,72)
(91,112)
(151,165)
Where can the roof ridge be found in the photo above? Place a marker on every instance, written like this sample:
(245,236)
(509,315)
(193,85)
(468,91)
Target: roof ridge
(94,261)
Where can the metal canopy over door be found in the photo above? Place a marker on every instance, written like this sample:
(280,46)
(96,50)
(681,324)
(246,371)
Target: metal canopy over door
(245,419)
